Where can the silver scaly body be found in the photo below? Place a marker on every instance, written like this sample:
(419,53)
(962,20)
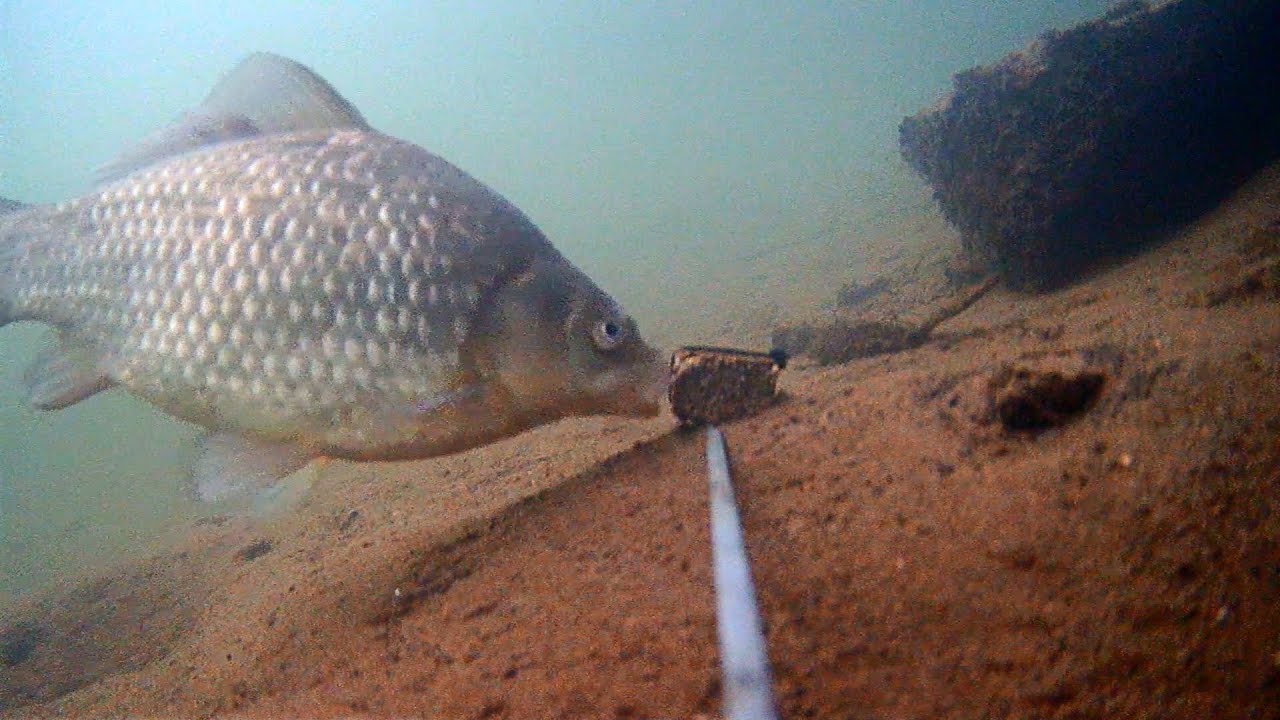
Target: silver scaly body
(302,285)
(278,284)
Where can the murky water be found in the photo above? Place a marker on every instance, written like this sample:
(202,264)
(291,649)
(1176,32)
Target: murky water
(712,165)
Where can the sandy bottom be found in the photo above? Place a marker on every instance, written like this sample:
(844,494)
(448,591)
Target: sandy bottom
(917,553)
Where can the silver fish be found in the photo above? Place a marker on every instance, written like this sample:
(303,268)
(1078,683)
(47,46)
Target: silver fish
(276,271)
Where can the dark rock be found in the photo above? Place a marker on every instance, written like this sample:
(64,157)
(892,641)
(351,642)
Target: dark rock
(1094,140)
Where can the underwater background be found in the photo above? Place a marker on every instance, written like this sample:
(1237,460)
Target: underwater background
(703,162)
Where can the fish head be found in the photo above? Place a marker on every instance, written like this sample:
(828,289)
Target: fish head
(560,346)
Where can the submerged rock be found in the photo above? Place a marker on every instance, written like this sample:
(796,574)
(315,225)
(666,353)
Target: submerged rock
(1092,140)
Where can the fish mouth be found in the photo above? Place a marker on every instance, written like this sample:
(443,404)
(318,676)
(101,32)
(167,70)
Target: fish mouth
(637,390)
(650,391)
(646,406)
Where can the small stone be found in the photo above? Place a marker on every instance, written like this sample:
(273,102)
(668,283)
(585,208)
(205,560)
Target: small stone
(1221,616)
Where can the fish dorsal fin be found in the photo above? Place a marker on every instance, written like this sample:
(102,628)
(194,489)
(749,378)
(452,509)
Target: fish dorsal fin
(279,95)
(264,94)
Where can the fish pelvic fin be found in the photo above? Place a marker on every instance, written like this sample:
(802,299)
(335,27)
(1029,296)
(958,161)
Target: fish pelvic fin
(232,466)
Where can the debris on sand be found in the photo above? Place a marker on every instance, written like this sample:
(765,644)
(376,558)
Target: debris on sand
(843,340)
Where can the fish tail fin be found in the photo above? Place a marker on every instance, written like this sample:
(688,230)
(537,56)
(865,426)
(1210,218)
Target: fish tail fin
(11,240)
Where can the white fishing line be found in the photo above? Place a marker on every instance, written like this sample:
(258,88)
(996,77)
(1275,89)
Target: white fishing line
(744,665)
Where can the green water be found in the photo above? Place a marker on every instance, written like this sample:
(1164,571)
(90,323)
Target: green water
(677,152)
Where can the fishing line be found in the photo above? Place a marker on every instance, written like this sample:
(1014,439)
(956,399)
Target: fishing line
(744,664)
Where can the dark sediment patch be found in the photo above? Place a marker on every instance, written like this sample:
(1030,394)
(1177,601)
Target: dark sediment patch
(19,641)
(254,550)
(66,639)
(1027,400)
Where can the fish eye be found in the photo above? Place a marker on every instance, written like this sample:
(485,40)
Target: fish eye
(608,334)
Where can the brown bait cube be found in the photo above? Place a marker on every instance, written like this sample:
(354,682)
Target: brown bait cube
(715,385)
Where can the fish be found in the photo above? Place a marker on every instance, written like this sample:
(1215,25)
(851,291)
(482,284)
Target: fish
(274,270)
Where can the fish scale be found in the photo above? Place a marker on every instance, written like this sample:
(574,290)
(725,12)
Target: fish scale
(302,285)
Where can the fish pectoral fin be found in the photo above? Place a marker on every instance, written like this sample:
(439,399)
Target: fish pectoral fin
(231,465)
(63,375)
(449,398)
(264,94)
